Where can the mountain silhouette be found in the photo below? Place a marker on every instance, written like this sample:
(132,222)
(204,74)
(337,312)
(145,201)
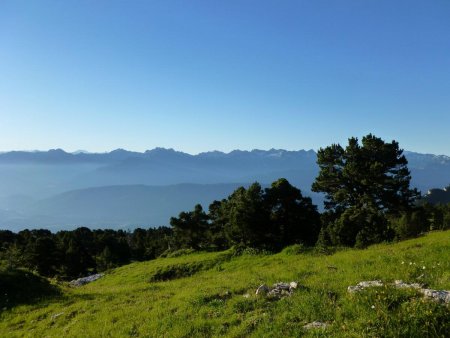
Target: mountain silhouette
(51,188)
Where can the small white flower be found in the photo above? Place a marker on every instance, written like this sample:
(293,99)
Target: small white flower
(410,263)
(403,262)
(423,267)
(373,306)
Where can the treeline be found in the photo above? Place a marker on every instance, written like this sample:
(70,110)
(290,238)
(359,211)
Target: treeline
(279,216)
(72,254)
(270,219)
(368,200)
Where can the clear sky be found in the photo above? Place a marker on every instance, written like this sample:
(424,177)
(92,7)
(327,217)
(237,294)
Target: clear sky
(222,75)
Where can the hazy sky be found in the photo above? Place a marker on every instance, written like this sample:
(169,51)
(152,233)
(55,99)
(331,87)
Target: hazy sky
(204,75)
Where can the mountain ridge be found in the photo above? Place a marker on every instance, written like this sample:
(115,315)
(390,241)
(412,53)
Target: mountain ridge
(26,178)
(42,155)
(172,150)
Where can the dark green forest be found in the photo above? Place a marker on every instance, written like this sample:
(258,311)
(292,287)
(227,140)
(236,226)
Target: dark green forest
(368,200)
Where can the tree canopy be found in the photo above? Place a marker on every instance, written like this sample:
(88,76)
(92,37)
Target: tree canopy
(190,228)
(373,174)
(269,218)
(362,183)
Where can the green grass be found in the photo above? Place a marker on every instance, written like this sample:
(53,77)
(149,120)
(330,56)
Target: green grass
(201,295)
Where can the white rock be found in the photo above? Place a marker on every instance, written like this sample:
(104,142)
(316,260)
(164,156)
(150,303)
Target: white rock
(370,283)
(353,288)
(281,286)
(278,290)
(438,295)
(274,293)
(363,285)
(85,280)
(400,284)
(315,325)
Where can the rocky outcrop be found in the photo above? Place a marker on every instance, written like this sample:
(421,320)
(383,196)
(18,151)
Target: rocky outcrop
(442,296)
(402,285)
(363,285)
(85,280)
(278,290)
(437,295)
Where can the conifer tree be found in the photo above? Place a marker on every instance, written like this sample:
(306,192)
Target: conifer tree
(363,183)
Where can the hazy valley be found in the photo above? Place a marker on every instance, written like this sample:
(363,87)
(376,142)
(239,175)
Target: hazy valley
(124,189)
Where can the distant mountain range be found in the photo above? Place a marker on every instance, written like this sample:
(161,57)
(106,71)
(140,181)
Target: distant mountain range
(125,189)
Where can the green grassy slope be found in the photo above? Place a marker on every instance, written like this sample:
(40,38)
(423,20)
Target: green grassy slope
(203,295)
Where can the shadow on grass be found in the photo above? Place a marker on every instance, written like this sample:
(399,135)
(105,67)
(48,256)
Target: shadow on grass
(23,287)
(187,269)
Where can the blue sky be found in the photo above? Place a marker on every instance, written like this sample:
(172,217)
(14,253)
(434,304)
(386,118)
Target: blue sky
(223,75)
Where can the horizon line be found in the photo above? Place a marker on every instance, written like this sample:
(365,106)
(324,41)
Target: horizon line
(77,152)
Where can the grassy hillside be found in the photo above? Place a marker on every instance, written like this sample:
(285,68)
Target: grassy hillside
(206,295)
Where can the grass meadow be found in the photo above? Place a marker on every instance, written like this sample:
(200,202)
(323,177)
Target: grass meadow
(213,294)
